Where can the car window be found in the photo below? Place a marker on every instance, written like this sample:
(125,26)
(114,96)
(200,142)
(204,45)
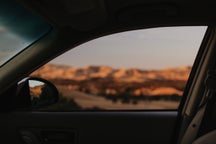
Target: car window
(18,29)
(134,70)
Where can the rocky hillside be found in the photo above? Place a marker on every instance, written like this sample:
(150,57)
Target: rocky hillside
(110,81)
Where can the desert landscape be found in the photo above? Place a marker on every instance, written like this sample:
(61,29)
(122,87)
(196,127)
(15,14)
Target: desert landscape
(107,88)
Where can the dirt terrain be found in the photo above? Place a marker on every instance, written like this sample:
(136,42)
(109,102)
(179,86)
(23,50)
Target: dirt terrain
(88,101)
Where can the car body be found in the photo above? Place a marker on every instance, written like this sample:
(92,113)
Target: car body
(75,22)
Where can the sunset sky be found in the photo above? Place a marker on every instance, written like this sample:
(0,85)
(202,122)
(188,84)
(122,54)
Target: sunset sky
(156,48)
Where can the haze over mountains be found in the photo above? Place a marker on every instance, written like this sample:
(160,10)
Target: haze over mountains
(106,80)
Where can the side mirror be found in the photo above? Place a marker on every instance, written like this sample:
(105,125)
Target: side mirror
(42,92)
(36,93)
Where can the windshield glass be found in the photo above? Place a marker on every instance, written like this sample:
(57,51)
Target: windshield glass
(19,28)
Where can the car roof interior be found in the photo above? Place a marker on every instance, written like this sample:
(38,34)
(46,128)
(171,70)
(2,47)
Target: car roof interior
(111,15)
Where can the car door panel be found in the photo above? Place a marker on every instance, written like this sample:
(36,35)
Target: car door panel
(90,127)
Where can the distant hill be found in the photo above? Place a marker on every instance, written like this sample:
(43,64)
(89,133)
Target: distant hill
(127,75)
(105,80)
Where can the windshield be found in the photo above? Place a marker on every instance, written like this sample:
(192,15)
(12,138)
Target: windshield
(19,28)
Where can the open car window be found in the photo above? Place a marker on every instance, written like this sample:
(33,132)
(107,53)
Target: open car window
(136,70)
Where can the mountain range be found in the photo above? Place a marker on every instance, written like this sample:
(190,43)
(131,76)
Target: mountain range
(121,74)
(108,80)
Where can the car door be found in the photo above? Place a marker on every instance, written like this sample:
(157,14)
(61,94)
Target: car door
(194,112)
(62,126)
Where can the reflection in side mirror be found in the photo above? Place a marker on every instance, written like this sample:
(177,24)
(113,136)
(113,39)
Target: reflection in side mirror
(42,93)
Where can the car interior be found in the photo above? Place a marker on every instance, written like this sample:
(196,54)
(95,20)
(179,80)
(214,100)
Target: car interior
(43,30)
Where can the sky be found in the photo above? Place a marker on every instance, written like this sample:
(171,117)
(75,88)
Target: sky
(155,48)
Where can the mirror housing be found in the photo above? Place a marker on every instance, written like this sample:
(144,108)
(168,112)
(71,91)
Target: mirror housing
(36,93)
